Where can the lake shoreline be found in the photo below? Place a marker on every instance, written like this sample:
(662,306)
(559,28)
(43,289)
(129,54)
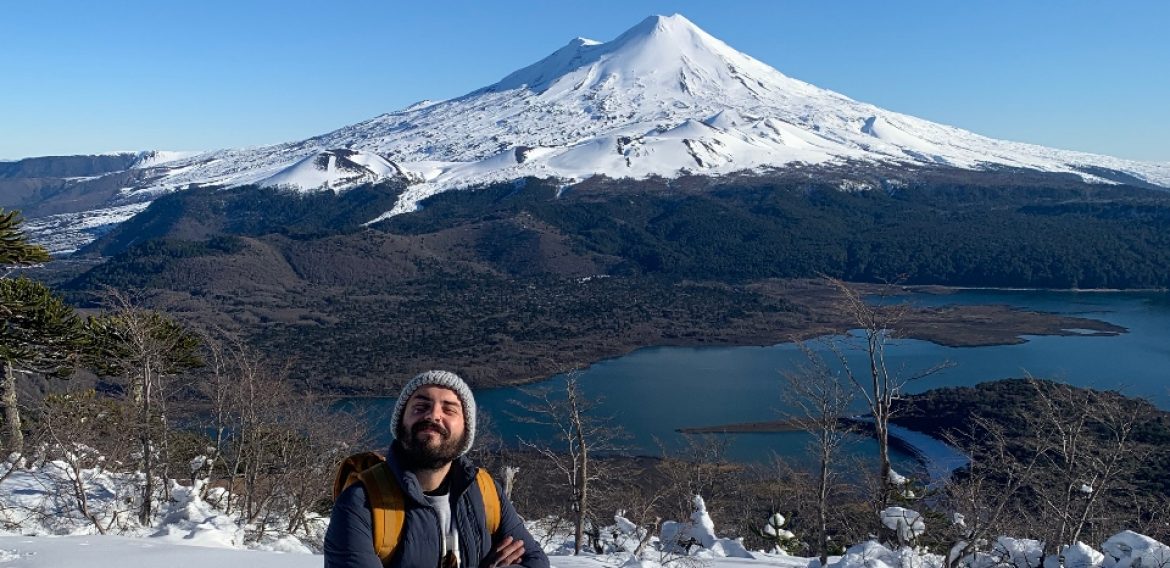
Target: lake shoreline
(937,458)
(982,325)
(814,316)
(658,392)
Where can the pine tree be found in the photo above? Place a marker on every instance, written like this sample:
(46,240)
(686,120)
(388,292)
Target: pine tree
(15,250)
(39,333)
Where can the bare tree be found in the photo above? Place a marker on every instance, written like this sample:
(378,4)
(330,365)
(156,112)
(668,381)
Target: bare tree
(582,435)
(880,385)
(824,401)
(216,388)
(1089,438)
(148,350)
(1058,469)
(985,498)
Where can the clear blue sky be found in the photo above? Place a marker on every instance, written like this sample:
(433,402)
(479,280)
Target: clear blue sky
(87,76)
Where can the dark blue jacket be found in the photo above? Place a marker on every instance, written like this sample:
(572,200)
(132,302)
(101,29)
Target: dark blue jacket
(349,541)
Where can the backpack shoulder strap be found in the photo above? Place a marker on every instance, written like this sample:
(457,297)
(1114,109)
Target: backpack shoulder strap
(387,503)
(387,509)
(491,499)
(350,469)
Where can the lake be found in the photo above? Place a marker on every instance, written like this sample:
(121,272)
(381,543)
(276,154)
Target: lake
(653,392)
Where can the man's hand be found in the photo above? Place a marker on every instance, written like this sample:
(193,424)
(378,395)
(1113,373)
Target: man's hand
(506,553)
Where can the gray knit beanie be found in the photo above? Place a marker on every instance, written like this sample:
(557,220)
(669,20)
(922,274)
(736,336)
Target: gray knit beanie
(445,379)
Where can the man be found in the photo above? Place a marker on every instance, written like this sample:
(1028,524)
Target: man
(444,521)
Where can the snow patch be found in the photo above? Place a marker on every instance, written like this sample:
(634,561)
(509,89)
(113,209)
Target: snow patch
(334,170)
(65,233)
(906,523)
(152,158)
(1129,549)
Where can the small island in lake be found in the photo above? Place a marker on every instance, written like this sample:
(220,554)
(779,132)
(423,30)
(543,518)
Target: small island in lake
(972,419)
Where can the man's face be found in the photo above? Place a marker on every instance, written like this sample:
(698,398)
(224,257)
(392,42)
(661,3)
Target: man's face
(432,426)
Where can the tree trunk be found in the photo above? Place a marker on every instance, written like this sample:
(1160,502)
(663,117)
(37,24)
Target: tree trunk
(166,454)
(646,538)
(582,470)
(509,479)
(146,512)
(582,487)
(881,424)
(823,508)
(881,414)
(12,410)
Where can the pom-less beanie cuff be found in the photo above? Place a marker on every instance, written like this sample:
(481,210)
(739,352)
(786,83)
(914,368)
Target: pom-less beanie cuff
(444,379)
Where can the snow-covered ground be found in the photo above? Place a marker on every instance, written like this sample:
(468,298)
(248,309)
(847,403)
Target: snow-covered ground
(45,528)
(95,551)
(91,551)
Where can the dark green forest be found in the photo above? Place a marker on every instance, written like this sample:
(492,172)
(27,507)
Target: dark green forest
(1066,235)
(1102,237)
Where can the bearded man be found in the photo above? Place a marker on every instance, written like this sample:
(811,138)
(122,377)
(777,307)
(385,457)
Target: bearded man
(440,499)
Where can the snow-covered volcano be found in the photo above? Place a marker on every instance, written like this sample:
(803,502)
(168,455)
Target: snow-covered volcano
(664,98)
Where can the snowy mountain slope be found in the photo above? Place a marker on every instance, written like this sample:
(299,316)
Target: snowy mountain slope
(64,233)
(151,158)
(664,98)
(68,201)
(332,169)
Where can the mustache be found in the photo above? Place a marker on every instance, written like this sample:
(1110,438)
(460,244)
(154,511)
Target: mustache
(424,426)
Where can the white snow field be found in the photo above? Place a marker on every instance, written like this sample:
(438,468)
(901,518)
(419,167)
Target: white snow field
(95,551)
(45,529)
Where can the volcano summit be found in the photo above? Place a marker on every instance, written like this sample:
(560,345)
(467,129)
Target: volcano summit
(663,99)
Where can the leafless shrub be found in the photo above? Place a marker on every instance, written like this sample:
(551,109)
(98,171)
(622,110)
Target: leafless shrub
(701,467)
(823,401)
(984,500)
(274,450)
(82,438)
(1086,444)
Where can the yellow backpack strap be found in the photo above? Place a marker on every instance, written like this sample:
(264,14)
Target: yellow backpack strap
(387,509)
(491,500)
(387,503)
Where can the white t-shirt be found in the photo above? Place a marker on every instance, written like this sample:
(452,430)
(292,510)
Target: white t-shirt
(442,506)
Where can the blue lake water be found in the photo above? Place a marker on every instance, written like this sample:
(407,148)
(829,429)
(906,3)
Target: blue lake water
(655,391)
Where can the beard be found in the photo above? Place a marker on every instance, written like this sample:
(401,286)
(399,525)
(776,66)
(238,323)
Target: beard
(423,454)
